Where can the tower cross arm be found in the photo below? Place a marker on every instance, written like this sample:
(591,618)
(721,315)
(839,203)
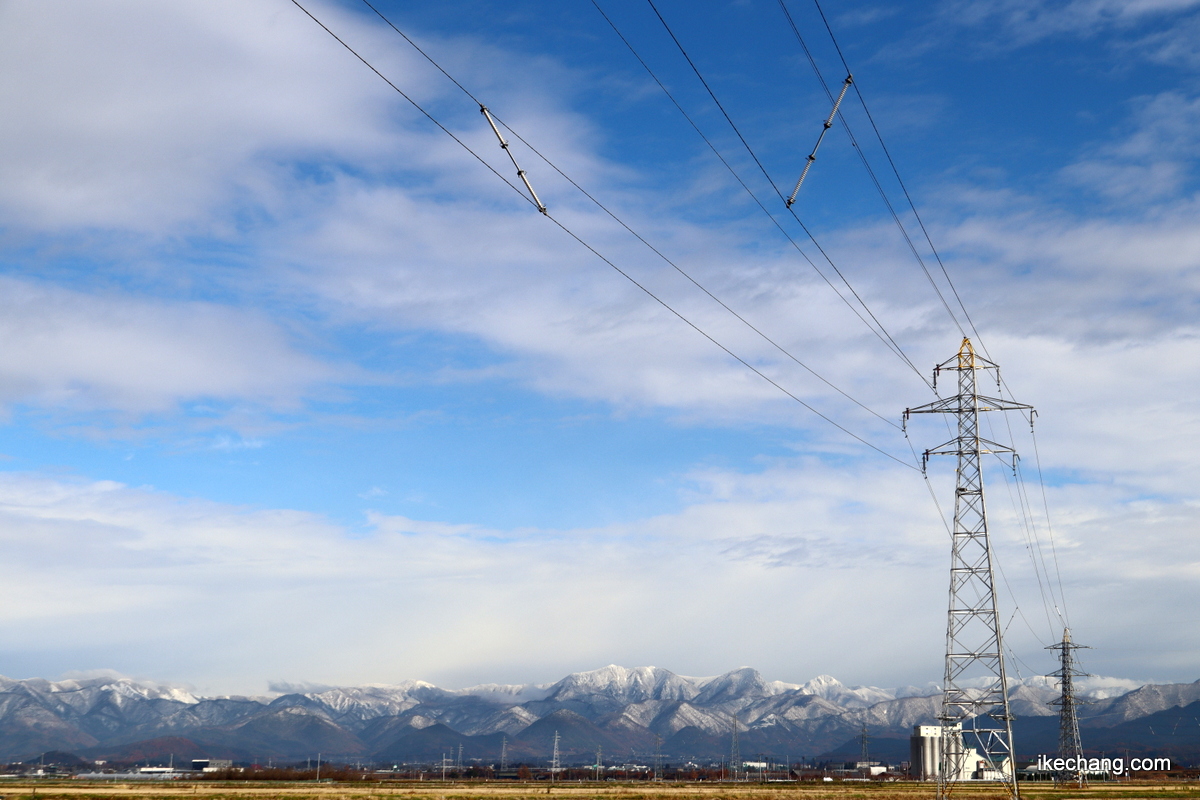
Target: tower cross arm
(1000,404)
(948,405)
(956,446)
(960,403)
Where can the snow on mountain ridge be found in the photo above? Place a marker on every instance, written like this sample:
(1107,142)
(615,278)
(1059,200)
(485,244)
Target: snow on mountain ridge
(83,693)
(832,689)
(629,705)
(612,685)
(616,683)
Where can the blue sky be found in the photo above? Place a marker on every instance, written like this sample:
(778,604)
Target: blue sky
(278,356)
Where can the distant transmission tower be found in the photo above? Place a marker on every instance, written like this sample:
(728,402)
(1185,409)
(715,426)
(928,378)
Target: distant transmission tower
(1069,746)
(554,763)
(503,753)
(865,752)
(976,738)
(599,762)
(735,752)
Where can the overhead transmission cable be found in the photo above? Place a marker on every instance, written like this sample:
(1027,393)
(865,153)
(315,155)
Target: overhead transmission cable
(978,337)
(899,351)
(1059,603)
(492,116)
(875,326)
(899,180)
(1049,528)
(732,354)
(895,346)
(1016,498)
(877,329)
(597,253)
(871,172)
(538,204)
(865,162)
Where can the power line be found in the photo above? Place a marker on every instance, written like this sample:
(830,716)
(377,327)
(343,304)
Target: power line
(1049,528)
(415,104)
(1060,604)
(599,255)
(490,115)
(1023,509)
(883,337)
(713,95)
(900,180)
(787,201)
(878,329)
(1019,511)
(733,355)
(871,172)
(899,351)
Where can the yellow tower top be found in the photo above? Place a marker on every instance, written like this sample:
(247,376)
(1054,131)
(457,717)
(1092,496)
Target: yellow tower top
(966,355)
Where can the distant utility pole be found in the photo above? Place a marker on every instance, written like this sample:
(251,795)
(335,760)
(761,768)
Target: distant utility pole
(735,751)
(975,715)
(1069,746)
(657,757)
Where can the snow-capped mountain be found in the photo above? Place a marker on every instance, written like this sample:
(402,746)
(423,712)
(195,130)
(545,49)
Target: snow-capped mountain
(623,710)
(833,690)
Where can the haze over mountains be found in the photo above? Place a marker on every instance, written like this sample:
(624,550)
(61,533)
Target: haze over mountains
(629,713)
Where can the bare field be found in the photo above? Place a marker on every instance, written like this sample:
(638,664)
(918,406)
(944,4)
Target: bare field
(454,790)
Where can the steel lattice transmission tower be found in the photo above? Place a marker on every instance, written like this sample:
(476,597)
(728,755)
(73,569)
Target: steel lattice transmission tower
(1069,745)
(735,751)
(976,740)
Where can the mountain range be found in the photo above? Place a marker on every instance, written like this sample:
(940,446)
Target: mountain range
(628,713)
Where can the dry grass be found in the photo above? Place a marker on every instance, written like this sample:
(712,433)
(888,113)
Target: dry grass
(452,790)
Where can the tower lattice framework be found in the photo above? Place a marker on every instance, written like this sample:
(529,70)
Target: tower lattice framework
(1070,747)
(735,751)
(976,740)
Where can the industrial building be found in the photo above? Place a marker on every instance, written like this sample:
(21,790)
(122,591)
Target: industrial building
(926,753)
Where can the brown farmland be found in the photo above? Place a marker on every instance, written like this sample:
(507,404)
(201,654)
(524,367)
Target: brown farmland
(488,790)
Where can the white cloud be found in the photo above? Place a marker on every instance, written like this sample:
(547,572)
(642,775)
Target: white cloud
(382,254)
(69,350)
(566,324)
(1030,20)
(1177,45)
(851,566)
(145,116)
(125,567)
(1154,162)
(144,156)
(213,118)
